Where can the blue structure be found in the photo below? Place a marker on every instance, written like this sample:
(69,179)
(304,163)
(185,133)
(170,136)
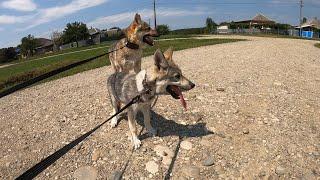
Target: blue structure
(307,34)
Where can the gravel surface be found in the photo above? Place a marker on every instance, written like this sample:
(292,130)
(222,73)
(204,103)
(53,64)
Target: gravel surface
(260,98)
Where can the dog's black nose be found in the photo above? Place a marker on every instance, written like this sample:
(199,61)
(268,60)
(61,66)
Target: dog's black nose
(192,85)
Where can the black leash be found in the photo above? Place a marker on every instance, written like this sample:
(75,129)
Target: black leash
(45,163)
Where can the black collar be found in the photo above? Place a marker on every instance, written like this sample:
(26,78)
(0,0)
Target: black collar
(131,45)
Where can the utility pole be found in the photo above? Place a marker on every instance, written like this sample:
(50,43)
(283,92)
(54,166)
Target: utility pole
(301,6)
(154,14)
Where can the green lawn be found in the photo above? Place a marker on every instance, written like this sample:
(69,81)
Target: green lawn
(107,43)
(103,44)
(18,73)
(317,45)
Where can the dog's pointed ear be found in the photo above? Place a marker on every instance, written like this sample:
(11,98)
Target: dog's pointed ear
(159,60)
(137,18)
(168,54)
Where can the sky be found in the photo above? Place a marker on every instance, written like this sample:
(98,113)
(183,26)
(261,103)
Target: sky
(18,18)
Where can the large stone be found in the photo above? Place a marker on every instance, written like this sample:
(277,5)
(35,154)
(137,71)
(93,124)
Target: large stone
(86,173)
(152,167)
(280,170)
(166,160)
(191,171)
(95,155)
(116,175)
(187,145)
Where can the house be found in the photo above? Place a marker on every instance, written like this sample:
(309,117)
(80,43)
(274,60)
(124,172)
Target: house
(44,46)
(311,25)
(115,31)
(310,29)
(223,29)
(259,21)
(95,35)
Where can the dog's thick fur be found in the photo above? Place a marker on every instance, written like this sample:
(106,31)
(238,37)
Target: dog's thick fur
(123,87)
(126,59)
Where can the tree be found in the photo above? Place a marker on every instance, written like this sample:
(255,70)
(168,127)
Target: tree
(163,29)
(8,54)
(75,32)
(304,20)
(56,37)
(28,45)
(211,26)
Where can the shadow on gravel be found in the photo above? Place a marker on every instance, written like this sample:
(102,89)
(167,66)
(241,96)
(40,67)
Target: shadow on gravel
(167,127)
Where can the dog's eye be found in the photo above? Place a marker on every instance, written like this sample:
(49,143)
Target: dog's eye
(177,76)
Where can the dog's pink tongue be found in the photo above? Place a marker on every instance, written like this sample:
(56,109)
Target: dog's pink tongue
(177,90)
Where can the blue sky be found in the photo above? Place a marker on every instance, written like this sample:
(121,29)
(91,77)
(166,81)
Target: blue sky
(40,18)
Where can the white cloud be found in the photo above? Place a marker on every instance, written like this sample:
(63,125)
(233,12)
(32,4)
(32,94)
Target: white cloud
(20,5)
(5,19)
(116,19)
(50,14)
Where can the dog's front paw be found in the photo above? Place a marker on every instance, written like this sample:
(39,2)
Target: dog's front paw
(114,122)
(136,143)
(152,132)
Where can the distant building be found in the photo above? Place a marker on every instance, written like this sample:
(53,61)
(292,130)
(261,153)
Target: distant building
(223,29)
(311,25)
(259,21)
(115,31)
(95,35)
(44,46)
(310,29)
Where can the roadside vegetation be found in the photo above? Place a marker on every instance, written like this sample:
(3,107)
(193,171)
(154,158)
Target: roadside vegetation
(18,73)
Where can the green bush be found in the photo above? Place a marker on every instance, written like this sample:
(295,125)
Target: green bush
(163,29)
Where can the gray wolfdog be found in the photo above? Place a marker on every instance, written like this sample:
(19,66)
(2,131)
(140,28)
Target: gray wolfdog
(164,77)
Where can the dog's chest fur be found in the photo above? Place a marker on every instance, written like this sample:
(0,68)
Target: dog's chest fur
(125,56)
(125,87)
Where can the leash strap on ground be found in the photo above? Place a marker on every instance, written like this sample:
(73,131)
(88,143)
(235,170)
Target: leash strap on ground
(50,74)
(45,163)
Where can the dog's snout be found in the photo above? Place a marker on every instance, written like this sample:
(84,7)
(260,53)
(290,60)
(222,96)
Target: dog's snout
(192,85)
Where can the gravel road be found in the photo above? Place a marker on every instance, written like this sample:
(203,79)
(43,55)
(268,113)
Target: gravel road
(260,98)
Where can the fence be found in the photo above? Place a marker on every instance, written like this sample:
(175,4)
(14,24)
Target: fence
(289,32)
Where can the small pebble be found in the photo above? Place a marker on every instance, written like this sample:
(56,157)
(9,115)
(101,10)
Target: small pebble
(262,174)
(245,131)
(208,161)
(280,170)
(220,89)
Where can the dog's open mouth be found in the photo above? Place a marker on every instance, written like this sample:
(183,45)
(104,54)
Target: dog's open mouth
(176,93)
(148,39)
